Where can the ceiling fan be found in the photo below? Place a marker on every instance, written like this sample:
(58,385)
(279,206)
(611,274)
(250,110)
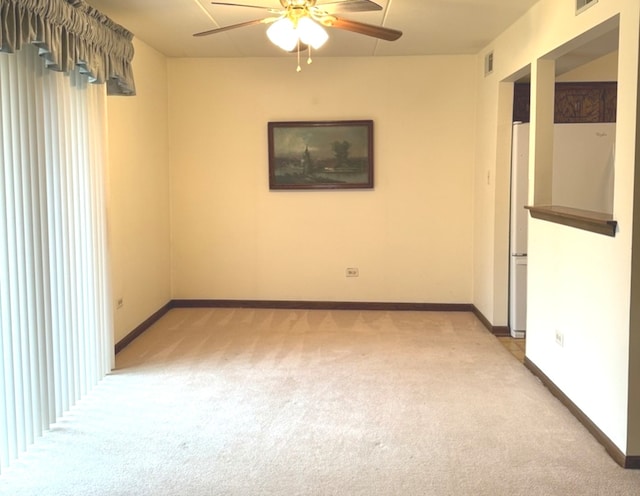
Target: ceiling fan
(299,24)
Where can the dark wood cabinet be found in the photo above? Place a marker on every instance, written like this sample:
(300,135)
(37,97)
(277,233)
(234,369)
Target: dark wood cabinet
(574,102)
(521,102)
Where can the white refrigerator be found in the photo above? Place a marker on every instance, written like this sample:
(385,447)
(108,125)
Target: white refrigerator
(582,177)
(518,230)
(583,166)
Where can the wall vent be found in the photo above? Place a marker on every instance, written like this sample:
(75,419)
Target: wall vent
(488,63)
(582,5)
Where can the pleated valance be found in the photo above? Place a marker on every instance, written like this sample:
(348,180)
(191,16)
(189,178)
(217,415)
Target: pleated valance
(71,33)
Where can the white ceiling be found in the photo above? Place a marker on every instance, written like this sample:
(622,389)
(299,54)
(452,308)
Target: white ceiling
(430,27)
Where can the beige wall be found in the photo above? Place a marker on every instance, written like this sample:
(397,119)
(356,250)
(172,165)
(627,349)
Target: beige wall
(138,210)
(579,282)
(410,237)
(604,68)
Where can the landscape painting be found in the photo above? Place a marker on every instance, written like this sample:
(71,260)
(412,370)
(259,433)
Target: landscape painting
(321,155)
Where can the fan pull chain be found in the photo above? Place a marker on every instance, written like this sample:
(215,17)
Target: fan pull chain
(309,59)
(298,68)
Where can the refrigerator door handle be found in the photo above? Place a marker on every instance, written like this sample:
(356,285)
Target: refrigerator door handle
(518,254)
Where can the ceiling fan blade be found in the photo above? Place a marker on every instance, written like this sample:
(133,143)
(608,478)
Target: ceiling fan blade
(261,7)
(362,28)
(348,6)
(240,25)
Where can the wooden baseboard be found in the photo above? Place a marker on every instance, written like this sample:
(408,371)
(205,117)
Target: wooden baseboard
(324,305)
(120,345)
(499,331)
(632,462)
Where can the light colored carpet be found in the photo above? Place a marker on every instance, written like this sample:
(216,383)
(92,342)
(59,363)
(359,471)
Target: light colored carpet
(296,402)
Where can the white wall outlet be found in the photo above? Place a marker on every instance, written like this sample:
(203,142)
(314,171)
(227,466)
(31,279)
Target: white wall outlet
(352,272)
(119,303)
(560,338)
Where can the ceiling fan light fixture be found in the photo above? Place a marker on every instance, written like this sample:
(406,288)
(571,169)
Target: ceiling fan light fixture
(311,33)
(286,32)
(282,33)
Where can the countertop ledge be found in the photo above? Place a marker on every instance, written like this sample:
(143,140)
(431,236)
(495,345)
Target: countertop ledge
(597,222)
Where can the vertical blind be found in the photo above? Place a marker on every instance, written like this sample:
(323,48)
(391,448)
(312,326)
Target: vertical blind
(55,324)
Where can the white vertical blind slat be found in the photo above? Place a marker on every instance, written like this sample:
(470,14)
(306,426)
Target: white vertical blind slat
(16,269)
(33,275)
(85,311)
(56,339)
(56,232)
(102,297)
(48,236)
(43,322)
(8,431)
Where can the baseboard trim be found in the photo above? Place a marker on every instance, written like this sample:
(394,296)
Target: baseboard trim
(124,342)
(631,462)
(323,305)
(499,331)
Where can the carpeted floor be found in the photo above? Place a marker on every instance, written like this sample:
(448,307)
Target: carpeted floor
(295,402)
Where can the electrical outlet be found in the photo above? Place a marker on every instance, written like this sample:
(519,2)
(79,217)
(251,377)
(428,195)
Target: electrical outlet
(560,338)
(352,272)
(119,303)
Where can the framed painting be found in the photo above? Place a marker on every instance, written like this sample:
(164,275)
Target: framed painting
(321,155)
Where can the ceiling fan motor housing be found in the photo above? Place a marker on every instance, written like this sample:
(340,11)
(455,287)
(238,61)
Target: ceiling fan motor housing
(297,3)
